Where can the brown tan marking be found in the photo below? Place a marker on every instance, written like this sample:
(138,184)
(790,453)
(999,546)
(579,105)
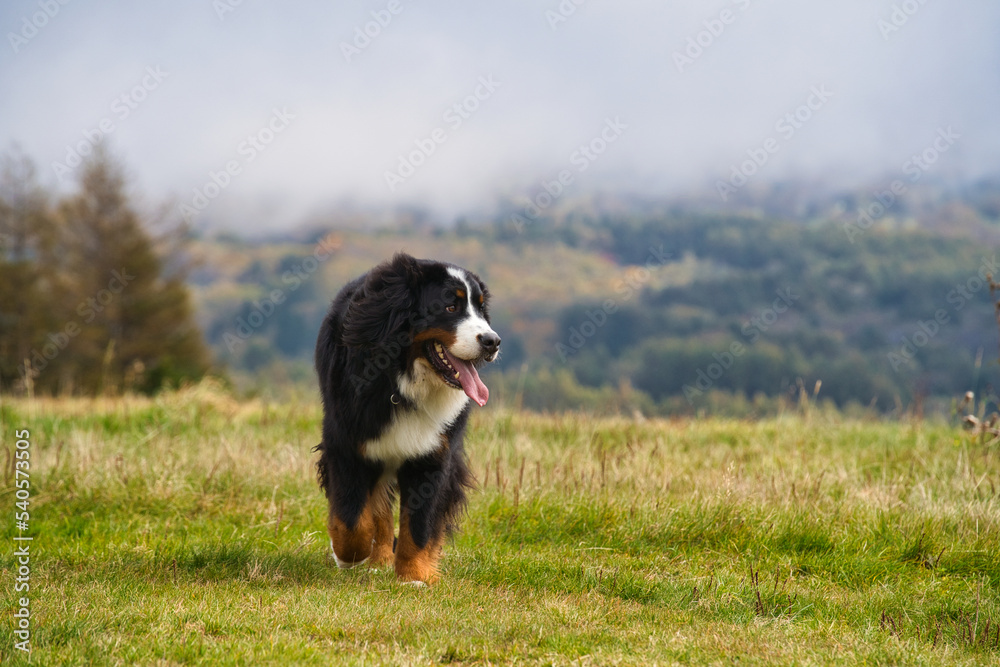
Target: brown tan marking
(352,545)
(460,293)
(416,349)
(371,538)
(445,337)
(412,562)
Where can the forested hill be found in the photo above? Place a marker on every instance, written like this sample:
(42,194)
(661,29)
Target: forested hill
(664,311)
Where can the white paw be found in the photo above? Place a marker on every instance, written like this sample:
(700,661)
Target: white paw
(415,584)
(343,565)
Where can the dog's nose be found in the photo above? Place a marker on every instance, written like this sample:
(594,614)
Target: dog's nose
(490,342)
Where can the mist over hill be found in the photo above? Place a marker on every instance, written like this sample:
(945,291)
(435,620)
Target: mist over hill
(680,206)
(673,306)
(267,114)
(873,299)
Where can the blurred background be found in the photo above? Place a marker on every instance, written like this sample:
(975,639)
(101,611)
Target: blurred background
(680,208)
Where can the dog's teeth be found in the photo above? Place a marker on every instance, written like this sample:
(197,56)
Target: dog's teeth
(456,375)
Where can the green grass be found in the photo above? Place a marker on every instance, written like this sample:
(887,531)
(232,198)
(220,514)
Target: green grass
(190,529)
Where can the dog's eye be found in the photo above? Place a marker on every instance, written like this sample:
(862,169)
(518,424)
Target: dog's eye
(452,308)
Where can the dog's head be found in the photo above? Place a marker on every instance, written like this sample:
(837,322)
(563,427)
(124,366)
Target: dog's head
(419,311)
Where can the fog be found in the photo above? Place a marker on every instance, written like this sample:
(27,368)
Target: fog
(255,116)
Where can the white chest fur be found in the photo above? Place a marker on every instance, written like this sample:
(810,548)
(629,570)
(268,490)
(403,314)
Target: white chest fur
(417,432)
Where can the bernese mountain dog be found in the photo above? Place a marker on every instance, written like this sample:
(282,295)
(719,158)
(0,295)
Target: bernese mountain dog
(397,359)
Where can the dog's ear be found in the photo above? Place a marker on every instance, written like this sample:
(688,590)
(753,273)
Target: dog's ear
(380,311)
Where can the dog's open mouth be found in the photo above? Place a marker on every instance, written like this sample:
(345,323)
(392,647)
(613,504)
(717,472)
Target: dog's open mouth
(457,373)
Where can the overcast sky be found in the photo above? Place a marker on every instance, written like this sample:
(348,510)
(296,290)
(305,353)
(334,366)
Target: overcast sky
(183,85)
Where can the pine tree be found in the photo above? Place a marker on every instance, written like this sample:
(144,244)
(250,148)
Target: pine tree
(86,296)
(137,327)
(33,295)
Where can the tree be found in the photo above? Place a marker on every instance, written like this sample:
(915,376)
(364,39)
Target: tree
(136,319)
(85,294)
(33,295)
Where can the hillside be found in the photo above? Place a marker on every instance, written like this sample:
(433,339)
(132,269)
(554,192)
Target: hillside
(663,312)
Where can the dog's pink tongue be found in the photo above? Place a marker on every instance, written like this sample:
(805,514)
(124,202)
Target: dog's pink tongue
(468,376)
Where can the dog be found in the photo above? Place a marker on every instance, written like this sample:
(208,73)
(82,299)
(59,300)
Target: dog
(397,358)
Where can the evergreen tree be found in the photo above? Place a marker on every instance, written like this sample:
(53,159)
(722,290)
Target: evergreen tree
(33,295)
(137,322)
(85,295)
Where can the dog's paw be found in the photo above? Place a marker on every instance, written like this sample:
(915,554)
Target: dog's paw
(342,564)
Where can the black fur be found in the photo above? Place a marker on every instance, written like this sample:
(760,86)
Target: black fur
(365,344)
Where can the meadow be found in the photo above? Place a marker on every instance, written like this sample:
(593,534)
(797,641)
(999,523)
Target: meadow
(188,528)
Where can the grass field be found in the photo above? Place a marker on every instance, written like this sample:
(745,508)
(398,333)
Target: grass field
(189,529)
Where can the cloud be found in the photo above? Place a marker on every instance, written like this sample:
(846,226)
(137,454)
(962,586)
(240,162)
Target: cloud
(559,80)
